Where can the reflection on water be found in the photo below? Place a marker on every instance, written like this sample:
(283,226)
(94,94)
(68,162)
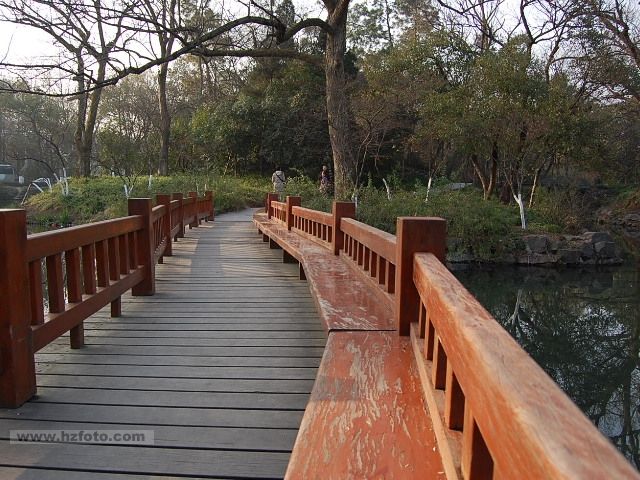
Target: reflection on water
(583,328)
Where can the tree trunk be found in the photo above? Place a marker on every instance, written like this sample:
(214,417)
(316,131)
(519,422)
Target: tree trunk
(480,175)
(87,116)
(338,106)
(165,121)
(493,175)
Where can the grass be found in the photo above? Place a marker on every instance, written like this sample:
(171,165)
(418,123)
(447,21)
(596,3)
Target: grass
(487,230)
(101,198)
(484,229)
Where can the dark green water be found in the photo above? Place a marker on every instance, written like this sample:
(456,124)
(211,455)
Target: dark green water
(583,329)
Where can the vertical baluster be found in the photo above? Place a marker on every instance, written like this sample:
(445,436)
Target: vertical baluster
(55,282)
(366,258)
(373,264)
(422,319)
(89,269)
(124,253)
(133,259)
(429,338)
(114,259)
(382,270)
(454,401)
(439,365)
(476,463)
(74,289)
(102,263)
(35,292)
(391,278)
(114,273)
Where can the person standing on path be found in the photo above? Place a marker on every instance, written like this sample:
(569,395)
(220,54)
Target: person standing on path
(278,179)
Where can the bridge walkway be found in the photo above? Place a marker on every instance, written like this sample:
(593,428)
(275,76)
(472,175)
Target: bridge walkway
(218,365)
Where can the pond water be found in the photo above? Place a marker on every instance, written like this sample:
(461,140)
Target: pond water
(582,326)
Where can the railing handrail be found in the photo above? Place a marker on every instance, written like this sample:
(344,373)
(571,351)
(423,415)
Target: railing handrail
(320,217)
(516,422)
(379,241)
(158,211)
(103,260)
(44,244)
(516,405)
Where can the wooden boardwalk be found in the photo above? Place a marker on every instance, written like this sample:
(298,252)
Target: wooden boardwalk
(218,364)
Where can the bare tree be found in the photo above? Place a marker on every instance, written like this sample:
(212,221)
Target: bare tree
(87,35)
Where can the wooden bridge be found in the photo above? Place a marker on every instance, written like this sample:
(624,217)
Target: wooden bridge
(222,363)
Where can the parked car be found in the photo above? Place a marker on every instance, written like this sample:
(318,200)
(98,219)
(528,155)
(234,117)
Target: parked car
(8,174)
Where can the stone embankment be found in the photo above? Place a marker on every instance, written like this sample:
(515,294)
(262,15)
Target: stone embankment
(590,248)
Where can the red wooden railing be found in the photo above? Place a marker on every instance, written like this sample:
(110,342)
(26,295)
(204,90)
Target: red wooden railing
(102,261)
(317,226)
(496,413)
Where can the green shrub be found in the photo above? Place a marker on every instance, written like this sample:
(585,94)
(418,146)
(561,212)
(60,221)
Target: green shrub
(100,198)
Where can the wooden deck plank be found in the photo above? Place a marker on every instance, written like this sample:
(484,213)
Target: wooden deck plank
(147,460)
(175,360)
(281,373)
(263,439)
(140,415)
(219,364)
(155,398)
(152,339)
(193,385)
(11,473)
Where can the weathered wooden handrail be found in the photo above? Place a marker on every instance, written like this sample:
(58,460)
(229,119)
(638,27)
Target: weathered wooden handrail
(372,250)
(104,251)
(495,412)
(102,261)
(515,422)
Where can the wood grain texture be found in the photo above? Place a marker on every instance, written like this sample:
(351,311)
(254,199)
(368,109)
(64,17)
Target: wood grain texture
(366,417)
(531,428)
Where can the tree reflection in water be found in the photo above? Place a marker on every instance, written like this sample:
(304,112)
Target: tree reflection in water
(583,329)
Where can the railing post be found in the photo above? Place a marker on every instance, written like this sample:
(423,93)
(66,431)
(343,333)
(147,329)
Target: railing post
(179,197)
(340,210)
(142,206)
(194,209)
(414,234)
(163,199)
(292,202)
(17,366)
(271,197)
(212,211)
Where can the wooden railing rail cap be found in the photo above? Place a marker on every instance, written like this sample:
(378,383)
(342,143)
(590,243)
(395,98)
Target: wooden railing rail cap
(315,215)
(527,422)
(40,245)
(381,242)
